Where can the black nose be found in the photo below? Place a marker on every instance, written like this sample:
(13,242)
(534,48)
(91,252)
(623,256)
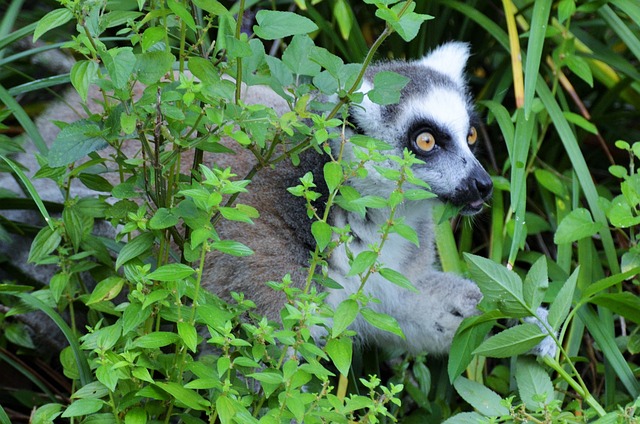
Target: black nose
(484,185)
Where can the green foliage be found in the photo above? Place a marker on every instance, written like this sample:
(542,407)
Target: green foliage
(563,221)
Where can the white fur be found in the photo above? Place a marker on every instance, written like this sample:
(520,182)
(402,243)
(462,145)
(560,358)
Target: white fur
(449,59)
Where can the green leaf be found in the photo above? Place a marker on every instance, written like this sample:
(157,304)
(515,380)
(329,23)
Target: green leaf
(580,121)
(465,418)
(189,398)
(321,233)
(270,377)
(536,283)
(501,287)
(344,315)
(387,87)
(382,321)
(156,340)
(171,272)
(83,73)
(75,141)
(163,218)
(534,384)
(363,262)
(296,56)
(397,278)
(106,289)
(182,13)
(51,20)
(120,63)
(512,341)
(152,66)
(626,304)
(575,226)
(135,248)
(231,247)
(332,175)
(341,353)
(484,400)
(83,407)
(561,305)
(275,24)
(406,232)
(471,333)
(45,242)
(189,335)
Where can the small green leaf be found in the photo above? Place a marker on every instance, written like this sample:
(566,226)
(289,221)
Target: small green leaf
(332,175)
(182,13)
(344,315)
(536,283)
(83,72)
(321,233)
(152,66)
(135,248)
(171,272)
(483,399)
(580,121)
(189,335)
(626,304)
(51,20)
(398,279)
(45,242)
(189,398)
(83,407)
(512,341)
(163,218)
(363,262)
(387,87)
(382,321)
(156,340)
(232,248)
(341,352)
(466,340)
(534,384)
(275,24)
(561,305)
(106,289)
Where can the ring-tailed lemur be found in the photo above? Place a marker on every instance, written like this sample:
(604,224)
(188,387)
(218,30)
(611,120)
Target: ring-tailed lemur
(435,120)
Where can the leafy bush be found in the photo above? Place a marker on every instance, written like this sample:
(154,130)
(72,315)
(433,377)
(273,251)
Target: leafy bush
(560,221)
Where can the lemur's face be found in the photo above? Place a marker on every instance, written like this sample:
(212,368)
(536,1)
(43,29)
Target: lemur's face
(435,120)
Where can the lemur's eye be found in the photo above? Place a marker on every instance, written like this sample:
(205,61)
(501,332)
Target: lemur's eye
(473,136)
(425,141)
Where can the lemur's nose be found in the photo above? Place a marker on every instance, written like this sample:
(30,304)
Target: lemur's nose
(484,185)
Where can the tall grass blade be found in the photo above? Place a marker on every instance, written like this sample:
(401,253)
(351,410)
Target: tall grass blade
(624,32)
(539,21)
(25,121)
(487,24)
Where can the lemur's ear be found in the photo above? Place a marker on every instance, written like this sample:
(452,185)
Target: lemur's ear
(449,59)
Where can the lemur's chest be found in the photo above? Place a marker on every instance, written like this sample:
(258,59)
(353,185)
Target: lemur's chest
(399,250)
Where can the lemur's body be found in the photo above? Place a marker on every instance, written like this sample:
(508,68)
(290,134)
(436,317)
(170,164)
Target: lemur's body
(435,103)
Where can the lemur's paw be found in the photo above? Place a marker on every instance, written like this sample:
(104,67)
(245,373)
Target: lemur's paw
(547,347)
(464,303)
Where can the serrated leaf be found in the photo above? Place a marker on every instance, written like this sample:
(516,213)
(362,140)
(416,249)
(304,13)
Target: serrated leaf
(577,225)
(171,272)
(512,341)
(534,384)
(152,66)
(274,24)
(561,305)
(51,20)
(296,56)
(382,321)
(341,353)
(387,87)
(74,142)
(502,288)
(483,399)
(398,279)
(135,248)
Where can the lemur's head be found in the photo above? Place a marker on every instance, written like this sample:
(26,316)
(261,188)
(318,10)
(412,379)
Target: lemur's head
(436,121)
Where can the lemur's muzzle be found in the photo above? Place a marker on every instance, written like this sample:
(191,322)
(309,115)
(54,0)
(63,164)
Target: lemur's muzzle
(473,191)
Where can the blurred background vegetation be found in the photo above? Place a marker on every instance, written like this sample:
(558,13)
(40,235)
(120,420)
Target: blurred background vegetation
(587,54)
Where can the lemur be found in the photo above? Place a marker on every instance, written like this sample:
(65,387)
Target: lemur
(435,120)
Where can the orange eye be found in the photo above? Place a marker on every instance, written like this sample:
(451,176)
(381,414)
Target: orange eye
(425,141)
(473,136)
